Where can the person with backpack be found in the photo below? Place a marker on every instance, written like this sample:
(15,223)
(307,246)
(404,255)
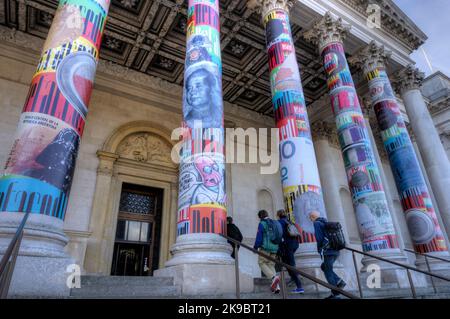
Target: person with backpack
(233,232)
(288,247)
(268,238)
(328,245)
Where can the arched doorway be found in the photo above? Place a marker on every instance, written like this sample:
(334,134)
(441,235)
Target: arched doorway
(133,220)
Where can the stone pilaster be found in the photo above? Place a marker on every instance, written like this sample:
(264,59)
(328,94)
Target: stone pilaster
(408,82)
(39,170)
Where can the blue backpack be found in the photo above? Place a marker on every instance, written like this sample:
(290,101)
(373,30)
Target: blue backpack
(273,231)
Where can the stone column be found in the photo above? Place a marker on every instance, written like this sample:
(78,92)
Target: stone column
(378,151)
(201,262)
(39,170)
(414,195)
(323,135)
(437,165)
(372,212)
(298,168)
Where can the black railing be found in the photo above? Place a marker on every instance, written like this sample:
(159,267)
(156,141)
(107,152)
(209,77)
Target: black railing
(8,261)
(426,255)
(428,263)
(282,264)
(408,268)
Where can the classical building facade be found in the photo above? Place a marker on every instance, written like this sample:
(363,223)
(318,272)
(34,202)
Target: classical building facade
(362,137)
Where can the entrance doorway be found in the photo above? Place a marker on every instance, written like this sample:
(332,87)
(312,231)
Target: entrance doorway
(136,247)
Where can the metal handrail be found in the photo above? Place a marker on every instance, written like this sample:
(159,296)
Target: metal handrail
(398,264)
(291,268)
(426,255)
(407,267)
(8,261)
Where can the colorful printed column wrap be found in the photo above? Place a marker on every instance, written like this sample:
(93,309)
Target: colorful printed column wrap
(39,170)
(369,200)
(202,197)
(415,197)
(299,173)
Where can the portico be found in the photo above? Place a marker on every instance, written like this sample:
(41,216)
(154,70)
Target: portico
(137,102)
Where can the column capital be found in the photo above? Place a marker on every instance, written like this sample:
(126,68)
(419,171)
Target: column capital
(327,30)
(409,78)
(370,57)
(265,6)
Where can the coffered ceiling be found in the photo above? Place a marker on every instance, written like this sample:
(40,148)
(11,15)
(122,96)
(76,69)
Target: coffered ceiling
(149,36)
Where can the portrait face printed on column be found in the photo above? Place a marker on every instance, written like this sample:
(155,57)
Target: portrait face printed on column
(202,99)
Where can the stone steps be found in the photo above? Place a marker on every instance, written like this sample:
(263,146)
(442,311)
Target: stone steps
(100,287)
(124,287)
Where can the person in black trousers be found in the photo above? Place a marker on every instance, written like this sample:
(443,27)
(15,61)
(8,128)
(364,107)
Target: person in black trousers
(287,250)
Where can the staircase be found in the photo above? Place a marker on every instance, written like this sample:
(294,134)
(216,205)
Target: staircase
(125,287)
(118,287)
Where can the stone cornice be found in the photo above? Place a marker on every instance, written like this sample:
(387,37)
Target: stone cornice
(439,107)
(409,78)
(265,6)
(370,57)
(327,30)
(393,21)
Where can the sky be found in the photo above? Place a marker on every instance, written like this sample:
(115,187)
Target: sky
(432,17)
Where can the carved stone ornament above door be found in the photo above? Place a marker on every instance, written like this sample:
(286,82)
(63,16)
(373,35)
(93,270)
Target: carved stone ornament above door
(146,148)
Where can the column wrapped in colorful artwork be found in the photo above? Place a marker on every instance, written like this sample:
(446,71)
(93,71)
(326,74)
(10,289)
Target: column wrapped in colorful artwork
(414,195)
(202,197)
(298,168)
(39,170)
(369,200)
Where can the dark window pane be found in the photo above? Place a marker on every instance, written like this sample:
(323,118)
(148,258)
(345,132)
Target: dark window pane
(120,232)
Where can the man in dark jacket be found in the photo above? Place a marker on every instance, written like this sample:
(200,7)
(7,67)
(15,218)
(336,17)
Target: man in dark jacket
(287,249)
(328,255)
(233,232)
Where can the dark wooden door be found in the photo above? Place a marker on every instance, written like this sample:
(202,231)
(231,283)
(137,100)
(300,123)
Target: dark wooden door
(136,247)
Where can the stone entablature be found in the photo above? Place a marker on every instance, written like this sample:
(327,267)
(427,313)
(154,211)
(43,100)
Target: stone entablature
(393,21)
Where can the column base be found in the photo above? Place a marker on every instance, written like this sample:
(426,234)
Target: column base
(40,270)
(202,265)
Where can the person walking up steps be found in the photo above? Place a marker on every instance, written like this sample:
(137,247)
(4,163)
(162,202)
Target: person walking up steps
(267,241)
(329,254)
(287,249)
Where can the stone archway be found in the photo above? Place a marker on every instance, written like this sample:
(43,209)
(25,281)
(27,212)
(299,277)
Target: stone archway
(136,153)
